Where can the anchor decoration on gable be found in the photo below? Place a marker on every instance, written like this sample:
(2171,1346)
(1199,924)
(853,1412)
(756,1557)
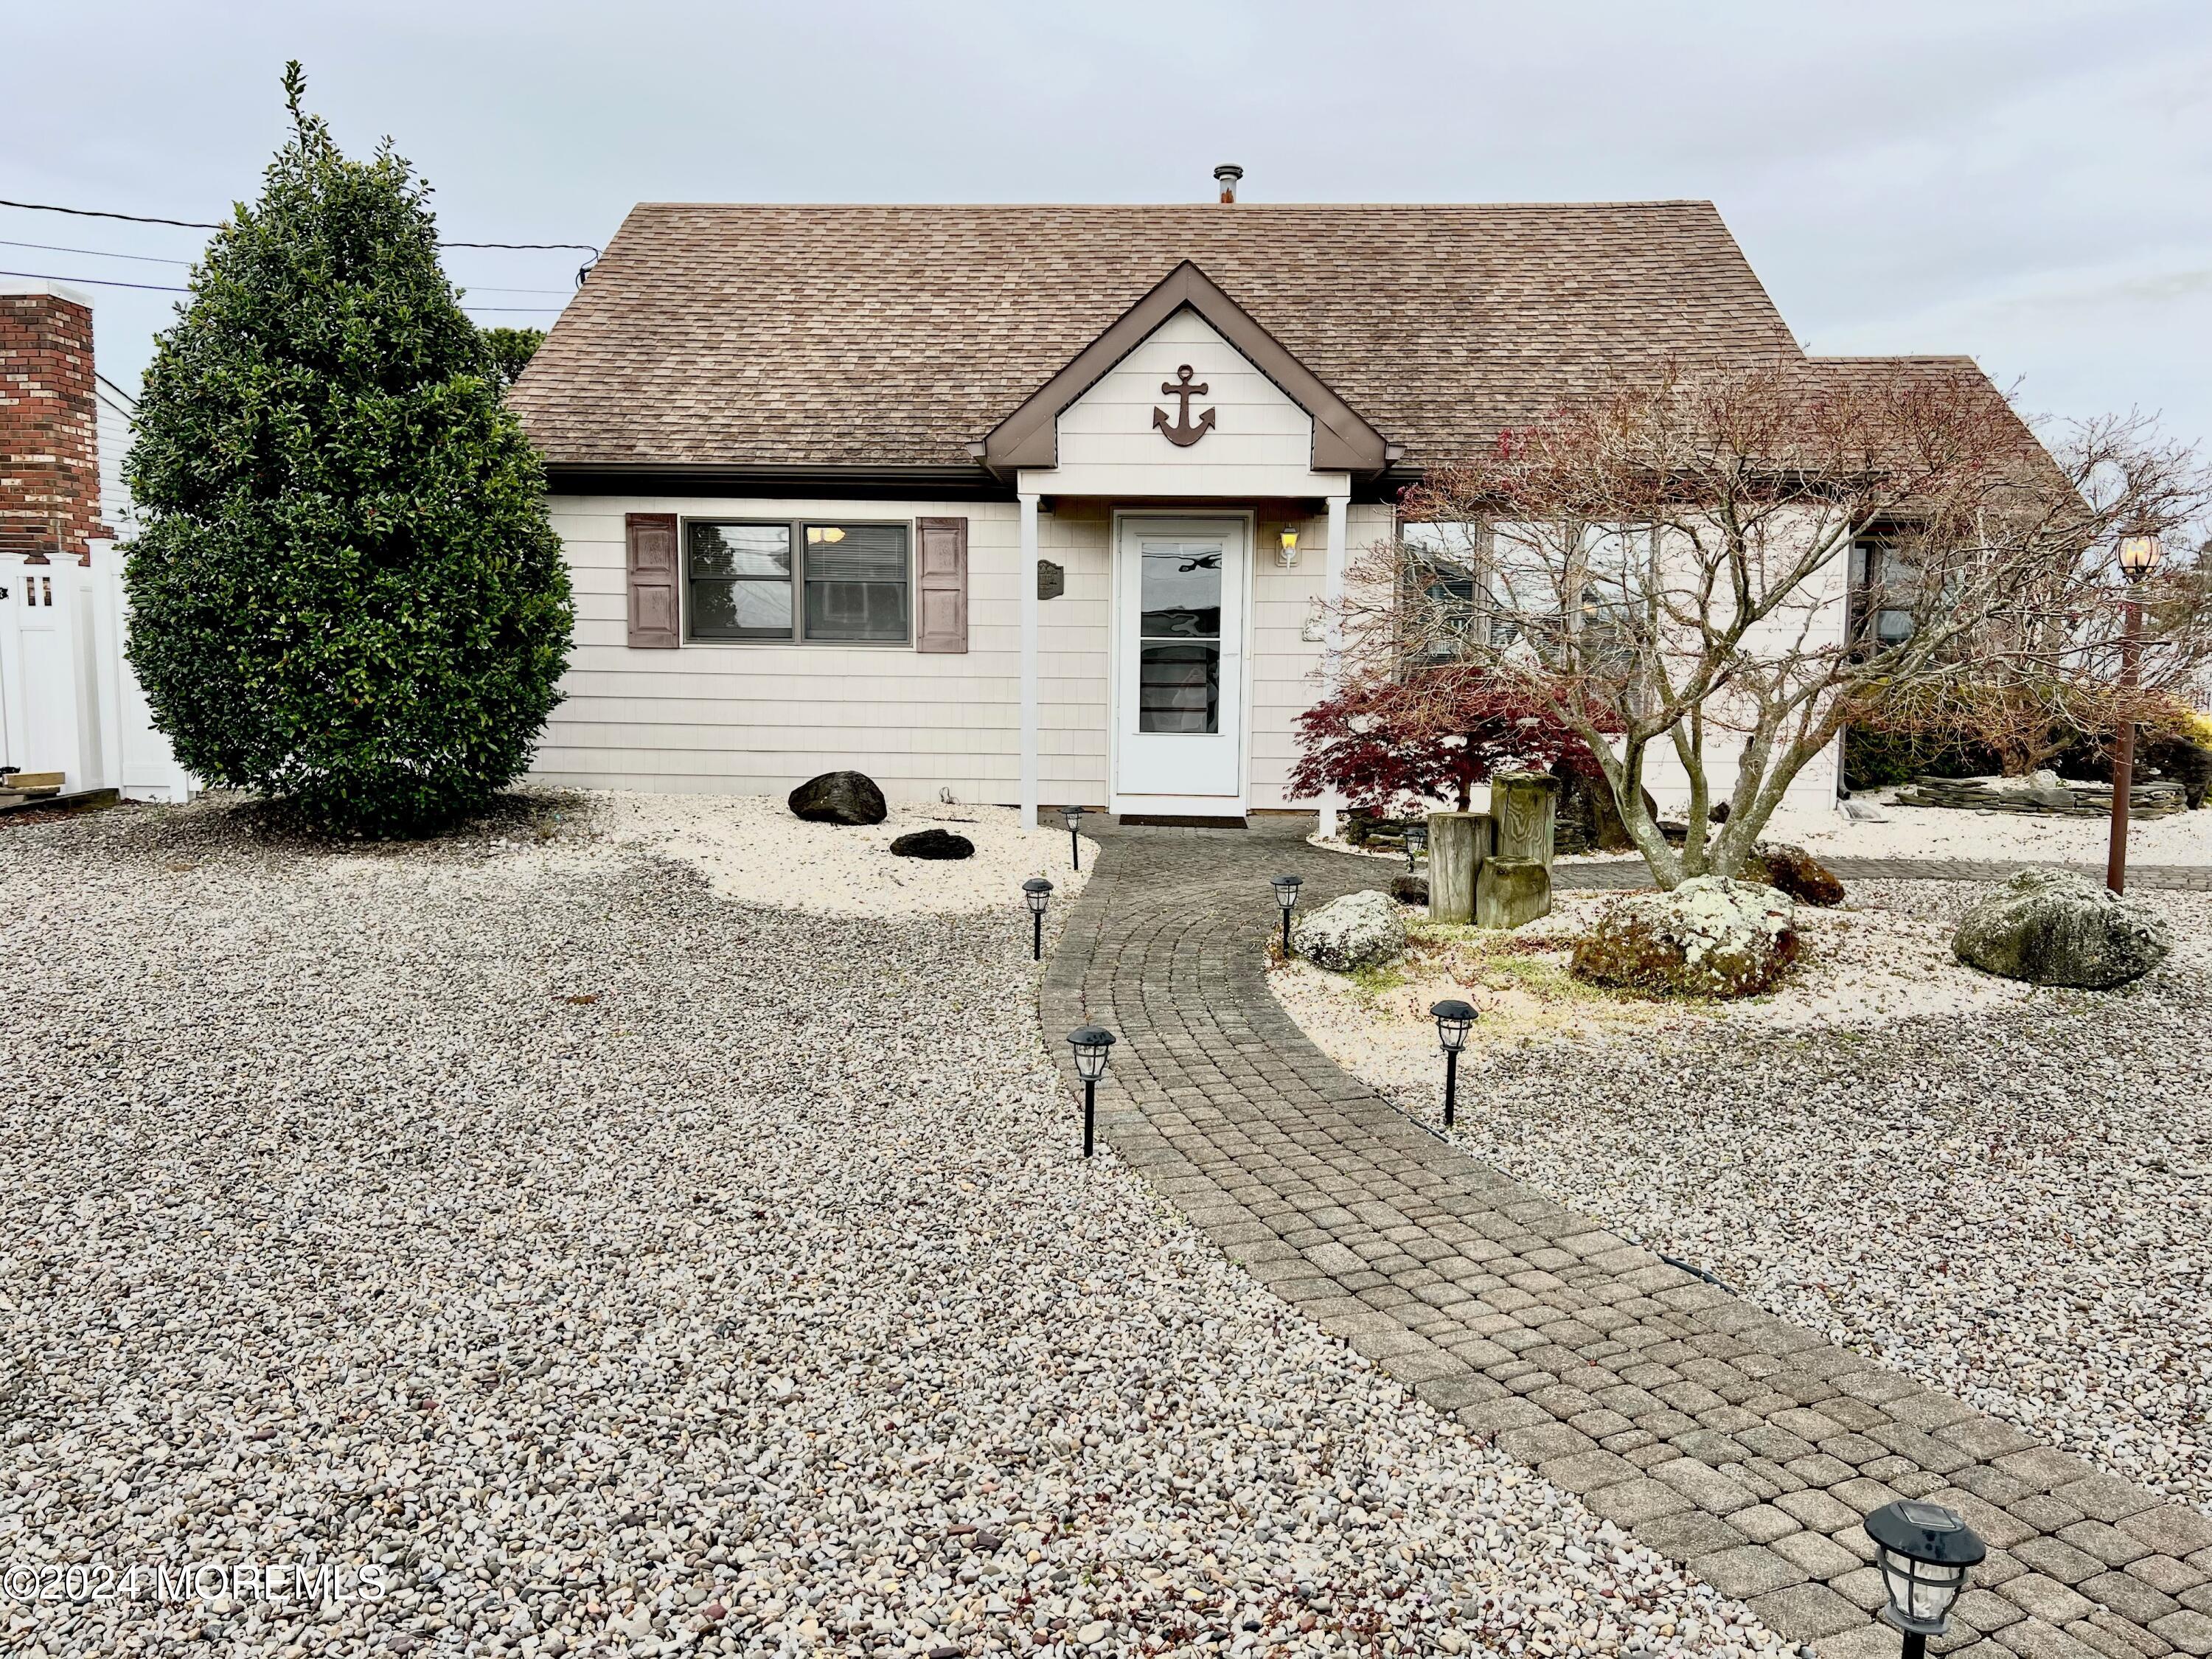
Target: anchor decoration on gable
(1181,432)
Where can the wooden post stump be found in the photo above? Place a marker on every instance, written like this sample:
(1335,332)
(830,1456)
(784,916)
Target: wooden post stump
(1510,891)
(1458,844)
(1526,805)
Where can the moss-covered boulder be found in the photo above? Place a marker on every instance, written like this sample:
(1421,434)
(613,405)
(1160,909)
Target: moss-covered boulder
(2055,927)
(1795,873)
(1710,937)
(1360,930)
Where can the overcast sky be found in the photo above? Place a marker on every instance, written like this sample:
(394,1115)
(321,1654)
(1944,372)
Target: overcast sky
(2029,181)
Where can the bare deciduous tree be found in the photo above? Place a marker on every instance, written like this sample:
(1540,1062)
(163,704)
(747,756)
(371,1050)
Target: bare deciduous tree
(1728,566)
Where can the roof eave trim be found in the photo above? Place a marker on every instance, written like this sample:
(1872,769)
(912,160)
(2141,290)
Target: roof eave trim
(1030,437)
(828,482)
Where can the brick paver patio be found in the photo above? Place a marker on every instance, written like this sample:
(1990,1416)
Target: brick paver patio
(1723,1436)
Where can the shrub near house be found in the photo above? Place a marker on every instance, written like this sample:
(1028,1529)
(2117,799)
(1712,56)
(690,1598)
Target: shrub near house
(348,595)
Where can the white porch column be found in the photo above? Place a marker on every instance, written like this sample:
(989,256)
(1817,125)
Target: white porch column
(1028,598)
(1333,632)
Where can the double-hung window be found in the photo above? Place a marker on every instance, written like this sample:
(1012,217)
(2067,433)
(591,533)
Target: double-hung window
(848,583)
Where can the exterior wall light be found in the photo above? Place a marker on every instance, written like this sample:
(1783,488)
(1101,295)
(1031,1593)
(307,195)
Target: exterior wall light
(1072,816)
(1038,891)
(1455,1020)
(1091,1044)
(1288,555)
(1286,895)
(1924,1551)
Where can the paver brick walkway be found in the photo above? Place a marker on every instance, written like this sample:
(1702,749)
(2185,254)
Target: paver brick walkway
(1723,1436)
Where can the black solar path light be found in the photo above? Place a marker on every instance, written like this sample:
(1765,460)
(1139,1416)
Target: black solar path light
(1286,895)
(1455,1020)
(1072,816)
(1038,891)
(1090,1043)
(1417,842)
(1924,1551)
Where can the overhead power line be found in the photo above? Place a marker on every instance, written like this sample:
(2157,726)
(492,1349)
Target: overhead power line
(578,247)
(165,288)
(202,224)
(96,281)
(97,253)
(151,260)
(100,213)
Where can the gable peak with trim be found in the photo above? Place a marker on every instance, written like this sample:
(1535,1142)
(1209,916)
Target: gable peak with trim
(1338,439)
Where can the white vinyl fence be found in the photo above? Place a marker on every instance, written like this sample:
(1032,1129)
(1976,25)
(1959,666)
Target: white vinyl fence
(68,702)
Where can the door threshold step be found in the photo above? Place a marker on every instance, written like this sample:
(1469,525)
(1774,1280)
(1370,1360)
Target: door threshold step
(1178,821)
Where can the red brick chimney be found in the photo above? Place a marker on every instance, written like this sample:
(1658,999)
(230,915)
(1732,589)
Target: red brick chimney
(49,423)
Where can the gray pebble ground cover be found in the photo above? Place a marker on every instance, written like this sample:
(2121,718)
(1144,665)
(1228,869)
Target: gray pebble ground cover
(628,1270)
(2014,1203)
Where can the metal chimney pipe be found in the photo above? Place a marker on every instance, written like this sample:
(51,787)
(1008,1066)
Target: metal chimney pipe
(1228,174)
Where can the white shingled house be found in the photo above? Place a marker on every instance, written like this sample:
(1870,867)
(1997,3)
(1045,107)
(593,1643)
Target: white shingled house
(1043,504)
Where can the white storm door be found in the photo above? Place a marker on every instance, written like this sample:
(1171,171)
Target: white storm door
(1179,633)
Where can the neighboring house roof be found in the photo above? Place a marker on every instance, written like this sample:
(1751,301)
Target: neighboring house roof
(896,336)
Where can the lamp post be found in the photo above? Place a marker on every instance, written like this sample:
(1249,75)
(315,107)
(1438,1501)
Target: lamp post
(1038,891)
(1090,1043)
(1286,895)
(1924,1551)
(2139,556)
(1072,816)
(1455,1020)
(1417,842)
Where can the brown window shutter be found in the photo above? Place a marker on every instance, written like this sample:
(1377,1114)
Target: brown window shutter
(656,613)
(940,585)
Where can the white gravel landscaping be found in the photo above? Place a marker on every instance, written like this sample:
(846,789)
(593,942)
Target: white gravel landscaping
(753,851)
(2007,1192)
(626,1269)
(1936,832)
(1942,832)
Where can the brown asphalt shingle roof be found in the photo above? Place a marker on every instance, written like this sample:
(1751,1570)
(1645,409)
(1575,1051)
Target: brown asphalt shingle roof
(896,336)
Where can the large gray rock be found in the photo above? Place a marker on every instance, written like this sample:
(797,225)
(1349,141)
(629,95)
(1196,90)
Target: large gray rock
(2055,927)
(1710,937)
(1359,930)
(839,797)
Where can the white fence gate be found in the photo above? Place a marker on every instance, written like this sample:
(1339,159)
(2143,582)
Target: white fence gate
(68,702)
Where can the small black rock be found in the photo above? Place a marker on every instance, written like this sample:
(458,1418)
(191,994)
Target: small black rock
(934,844)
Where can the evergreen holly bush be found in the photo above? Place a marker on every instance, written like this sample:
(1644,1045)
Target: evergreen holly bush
(348,595)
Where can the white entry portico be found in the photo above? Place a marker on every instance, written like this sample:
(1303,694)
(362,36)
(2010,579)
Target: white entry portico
(1178,421)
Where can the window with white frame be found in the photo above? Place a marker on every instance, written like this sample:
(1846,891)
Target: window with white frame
(803,580)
